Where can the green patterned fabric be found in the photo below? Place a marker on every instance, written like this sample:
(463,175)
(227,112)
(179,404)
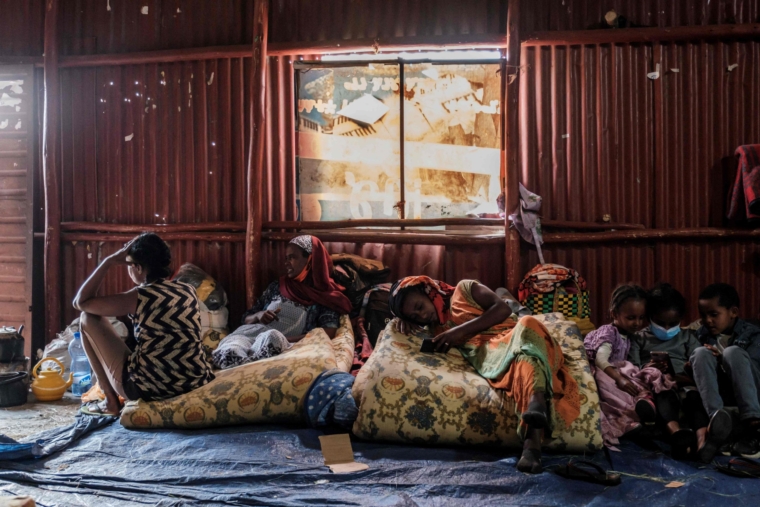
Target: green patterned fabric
(567,304)
(410,397)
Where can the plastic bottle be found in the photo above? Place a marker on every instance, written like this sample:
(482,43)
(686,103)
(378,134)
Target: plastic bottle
(80,367)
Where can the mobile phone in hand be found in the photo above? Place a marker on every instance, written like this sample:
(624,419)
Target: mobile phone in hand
(428,346)
(664,358)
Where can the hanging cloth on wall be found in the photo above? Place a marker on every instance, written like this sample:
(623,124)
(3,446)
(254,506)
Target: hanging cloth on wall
(526,219)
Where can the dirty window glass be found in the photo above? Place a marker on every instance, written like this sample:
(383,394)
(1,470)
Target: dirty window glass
(349,140)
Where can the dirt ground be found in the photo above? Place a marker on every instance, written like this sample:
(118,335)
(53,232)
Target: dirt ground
(36,416)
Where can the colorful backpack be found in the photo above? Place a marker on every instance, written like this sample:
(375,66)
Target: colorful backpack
(550,288)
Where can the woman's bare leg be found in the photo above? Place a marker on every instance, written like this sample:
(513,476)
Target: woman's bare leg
(107,354)
(530,460)
(536,418)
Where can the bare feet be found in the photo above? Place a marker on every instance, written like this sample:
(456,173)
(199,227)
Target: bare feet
(535,415)
(530,461)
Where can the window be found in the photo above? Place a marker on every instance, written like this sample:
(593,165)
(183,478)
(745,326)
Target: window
(349,138)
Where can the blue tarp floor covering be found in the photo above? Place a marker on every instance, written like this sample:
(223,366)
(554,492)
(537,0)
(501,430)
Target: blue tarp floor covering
(260,465)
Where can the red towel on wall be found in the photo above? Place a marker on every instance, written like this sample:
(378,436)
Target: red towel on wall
(745,196)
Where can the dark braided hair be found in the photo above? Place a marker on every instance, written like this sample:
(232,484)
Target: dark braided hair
(623,293)
(153,254)
(664,297)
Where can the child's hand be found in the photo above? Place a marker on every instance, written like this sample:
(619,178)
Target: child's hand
(717,353)
(657,365)
(627,386)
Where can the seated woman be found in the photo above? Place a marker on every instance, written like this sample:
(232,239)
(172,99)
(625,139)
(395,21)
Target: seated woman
(169,359)
(304,299)
(518,356)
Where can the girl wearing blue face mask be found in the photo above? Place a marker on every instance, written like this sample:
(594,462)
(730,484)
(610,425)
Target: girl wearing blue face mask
(665,310)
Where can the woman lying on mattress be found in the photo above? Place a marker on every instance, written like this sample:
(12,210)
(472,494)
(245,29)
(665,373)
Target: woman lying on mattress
(518,356)
(304,299)
(169,359)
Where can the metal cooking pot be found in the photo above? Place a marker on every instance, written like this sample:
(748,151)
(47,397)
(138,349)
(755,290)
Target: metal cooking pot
(11,344)
(13,389)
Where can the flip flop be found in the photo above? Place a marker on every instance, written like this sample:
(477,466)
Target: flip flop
(646,411)
(587,471)
(741,467)
(97,409)
(717,432)
(681,441)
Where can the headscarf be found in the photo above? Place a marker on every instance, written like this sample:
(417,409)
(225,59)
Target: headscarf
(438,292)
(313,286)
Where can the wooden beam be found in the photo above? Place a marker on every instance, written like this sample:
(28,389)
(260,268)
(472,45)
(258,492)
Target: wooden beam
(438,42)
(704,233)
(633,35)
(256,159)
(37,61)
(157,228)
(587,226)
(394,238)
(511,133)
(382,222)
(50,131)
(221,237)
(389,45)
(162,56)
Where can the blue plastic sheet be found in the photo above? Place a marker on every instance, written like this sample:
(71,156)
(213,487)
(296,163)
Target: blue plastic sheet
(259,465)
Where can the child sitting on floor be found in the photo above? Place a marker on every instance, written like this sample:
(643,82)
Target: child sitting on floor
(665,309)
(726,367)
(625,391)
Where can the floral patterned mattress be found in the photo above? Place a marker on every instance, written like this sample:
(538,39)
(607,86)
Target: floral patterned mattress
(267,391)
(410,397)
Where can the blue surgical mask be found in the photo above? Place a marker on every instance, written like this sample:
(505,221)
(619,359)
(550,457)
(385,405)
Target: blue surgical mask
(663,334)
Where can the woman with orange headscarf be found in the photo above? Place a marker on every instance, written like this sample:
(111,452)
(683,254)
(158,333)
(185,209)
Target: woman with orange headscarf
(517,356)
(305,298)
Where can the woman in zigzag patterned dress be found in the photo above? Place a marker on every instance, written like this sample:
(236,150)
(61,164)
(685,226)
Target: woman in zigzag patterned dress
(169,359)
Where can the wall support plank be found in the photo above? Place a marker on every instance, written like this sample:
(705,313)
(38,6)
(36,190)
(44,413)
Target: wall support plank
(256,157)
(512,141)
(50,133)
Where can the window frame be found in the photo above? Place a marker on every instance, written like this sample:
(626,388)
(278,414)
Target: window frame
(304,65)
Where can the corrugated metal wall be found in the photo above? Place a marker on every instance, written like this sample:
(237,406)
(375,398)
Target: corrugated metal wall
(539,15)
(306,20)
(590,123)
(600,138)
(122,26)
(187,157)
(21,27)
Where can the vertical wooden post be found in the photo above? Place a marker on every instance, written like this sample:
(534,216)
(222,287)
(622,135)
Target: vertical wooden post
(512,143)
(256,159)
(50,131)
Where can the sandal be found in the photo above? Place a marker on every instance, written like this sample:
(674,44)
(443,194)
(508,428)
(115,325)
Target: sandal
(681,442)
(588,471)
(97,409)
(741,467)
(717,433)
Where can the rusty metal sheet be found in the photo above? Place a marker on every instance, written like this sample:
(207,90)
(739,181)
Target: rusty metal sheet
(711,96)
(586,131)
(21,27)
(17,147)
(121,26)
(542,15)
(305,20)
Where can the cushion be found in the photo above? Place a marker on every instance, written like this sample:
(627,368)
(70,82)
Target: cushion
(266,391)
(406,396)
(343,344)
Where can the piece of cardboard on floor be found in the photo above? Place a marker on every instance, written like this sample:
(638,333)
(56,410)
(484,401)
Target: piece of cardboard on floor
(339,455)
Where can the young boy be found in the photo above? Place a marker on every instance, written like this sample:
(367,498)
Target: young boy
(729,357)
